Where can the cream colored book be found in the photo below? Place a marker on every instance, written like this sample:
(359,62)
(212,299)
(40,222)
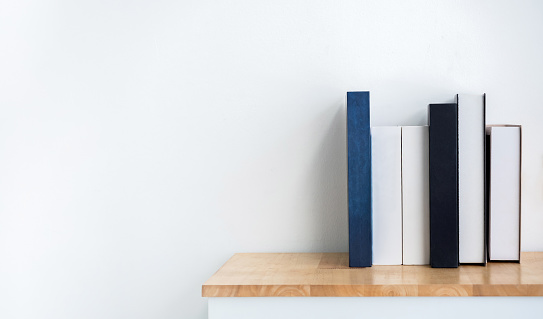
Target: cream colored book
(504,192)
(471,179)
(415,196)
(387,194)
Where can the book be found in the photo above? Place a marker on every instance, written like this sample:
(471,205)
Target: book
(471,178)
(359,179)
(386,153)
(443,181)
(415,196)
(505,145)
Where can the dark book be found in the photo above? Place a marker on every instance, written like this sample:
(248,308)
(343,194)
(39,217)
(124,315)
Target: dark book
(443,163)
(359,178)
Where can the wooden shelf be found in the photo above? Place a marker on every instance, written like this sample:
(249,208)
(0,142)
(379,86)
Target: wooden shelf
(328,275)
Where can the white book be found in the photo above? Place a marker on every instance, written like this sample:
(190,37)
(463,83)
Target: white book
(471,178)
(504,193)
(386,145)
(415,195)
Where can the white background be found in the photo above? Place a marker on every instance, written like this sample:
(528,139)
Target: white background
(142,143)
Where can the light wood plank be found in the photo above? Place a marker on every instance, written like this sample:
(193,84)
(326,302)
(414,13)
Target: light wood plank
(328,275)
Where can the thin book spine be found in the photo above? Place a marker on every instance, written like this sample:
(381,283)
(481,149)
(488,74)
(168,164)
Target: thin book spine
(504,203)
(471,178)
(359,179)
(387,194)
(443,170)
(415,196)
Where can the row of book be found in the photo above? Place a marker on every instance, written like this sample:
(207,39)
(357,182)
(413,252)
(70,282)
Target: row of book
(443,194)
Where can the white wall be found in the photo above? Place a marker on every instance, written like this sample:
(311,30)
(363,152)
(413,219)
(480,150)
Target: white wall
(142,143)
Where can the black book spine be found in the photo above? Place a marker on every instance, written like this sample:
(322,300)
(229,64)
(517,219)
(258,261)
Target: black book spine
(443,162)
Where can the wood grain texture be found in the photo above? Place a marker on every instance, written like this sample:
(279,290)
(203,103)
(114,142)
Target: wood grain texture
(328,275)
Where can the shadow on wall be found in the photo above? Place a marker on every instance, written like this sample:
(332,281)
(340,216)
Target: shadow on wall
(330,184)
(300,177)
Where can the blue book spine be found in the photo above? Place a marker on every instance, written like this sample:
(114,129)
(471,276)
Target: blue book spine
(359,178)
(443,163)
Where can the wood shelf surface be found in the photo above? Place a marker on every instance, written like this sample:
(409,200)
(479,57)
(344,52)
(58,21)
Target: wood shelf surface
(328,275)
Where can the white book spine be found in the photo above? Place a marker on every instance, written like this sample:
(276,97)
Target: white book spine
(471,178)
(504,207)
(387,195)
(415,195)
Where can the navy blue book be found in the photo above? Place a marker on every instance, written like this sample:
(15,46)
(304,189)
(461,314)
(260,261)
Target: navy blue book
(443,162)
(359,178)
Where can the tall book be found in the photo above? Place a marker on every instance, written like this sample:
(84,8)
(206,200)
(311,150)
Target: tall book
(359,178)
(443,170)
(505,145)
(471,178)
(386,153)
(415,196)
